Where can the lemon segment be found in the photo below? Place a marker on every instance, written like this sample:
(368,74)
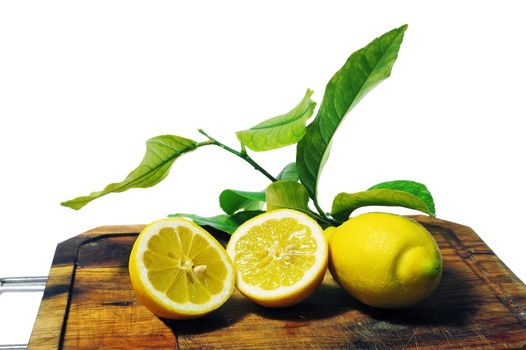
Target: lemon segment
(178,270)
(280,257)
(385,260)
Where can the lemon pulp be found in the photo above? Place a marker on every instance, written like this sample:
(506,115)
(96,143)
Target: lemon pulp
(276,253)
(184,266)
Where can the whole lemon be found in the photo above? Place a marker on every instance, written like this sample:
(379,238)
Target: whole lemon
(385,260)
(328,232)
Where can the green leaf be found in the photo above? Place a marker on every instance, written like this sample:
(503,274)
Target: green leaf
(363,70)
(289,173)
(226,223)
(345,203)
(233,200)
(161,152)
(280,131)
(287,194)
(415,188)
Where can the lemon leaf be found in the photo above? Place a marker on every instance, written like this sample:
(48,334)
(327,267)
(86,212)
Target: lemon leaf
(345,203)
(161,152)
(225,223)
(415,188)
(287,194)
(234,200)
(362,71)
(280,131)
(289,173)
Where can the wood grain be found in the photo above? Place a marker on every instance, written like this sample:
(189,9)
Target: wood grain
(89,304)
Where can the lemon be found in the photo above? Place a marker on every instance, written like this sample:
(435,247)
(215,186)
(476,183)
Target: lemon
(179,271)
(280,257)
(329,232)
(385,260)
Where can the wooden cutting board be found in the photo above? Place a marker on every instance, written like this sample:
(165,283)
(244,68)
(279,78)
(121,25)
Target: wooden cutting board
(89,304)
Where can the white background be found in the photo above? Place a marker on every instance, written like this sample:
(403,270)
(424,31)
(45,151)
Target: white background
(84,84)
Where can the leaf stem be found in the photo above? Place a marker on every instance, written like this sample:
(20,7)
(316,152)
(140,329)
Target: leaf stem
(243,154)
(320,210)
(324,219)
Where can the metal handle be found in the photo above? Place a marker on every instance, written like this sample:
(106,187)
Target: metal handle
(23,284)
(17,285)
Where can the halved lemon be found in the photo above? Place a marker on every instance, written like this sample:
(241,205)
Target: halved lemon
(179,271)
(280,257)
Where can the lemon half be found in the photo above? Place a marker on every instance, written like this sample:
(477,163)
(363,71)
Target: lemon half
(280,257)
(179,271)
